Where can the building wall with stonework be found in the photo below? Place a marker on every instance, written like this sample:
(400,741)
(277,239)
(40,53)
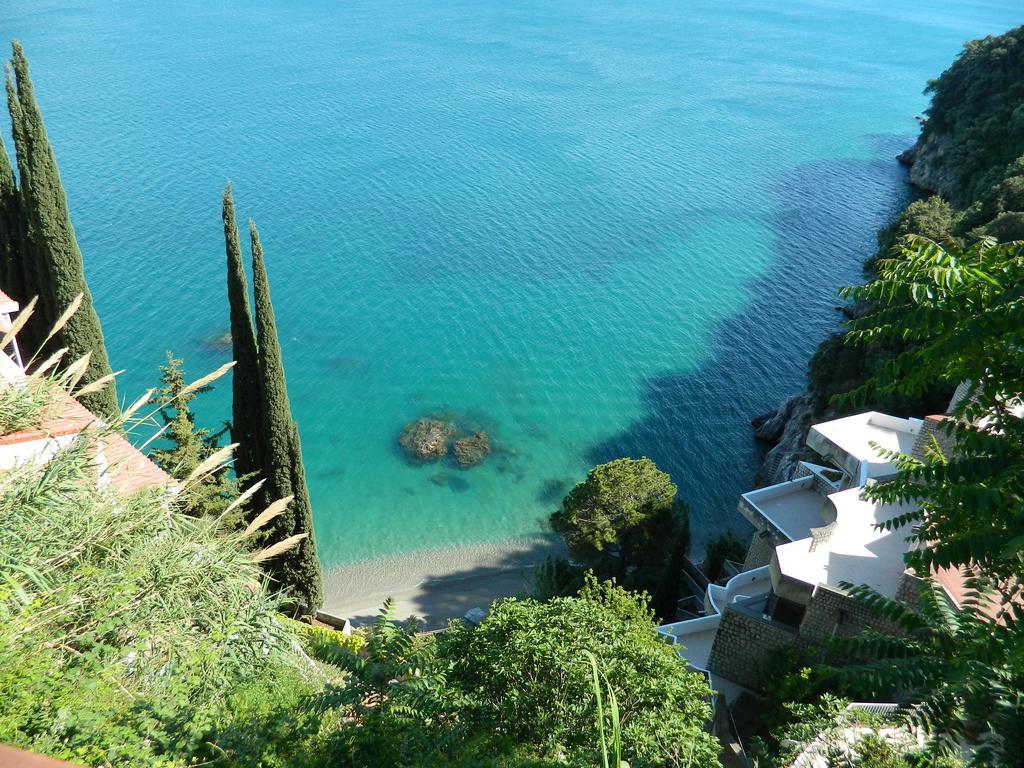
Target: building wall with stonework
(832,613)
(934,434)
(744,644)
(759,553)
(746,641)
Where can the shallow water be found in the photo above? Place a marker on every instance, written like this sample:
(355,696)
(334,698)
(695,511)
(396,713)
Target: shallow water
(592,229)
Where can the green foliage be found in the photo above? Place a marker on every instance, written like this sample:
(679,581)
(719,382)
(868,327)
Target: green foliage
(839,366)
(519,690)
(960,672)
(324,642)
(13,263)
(522,674)
(189,445)
(611,745)
(615,499)
(789,677)
(978,101)
(1001,195)
(266,721)
(262,424)
(845,738)
(964,320)
(281,451)
(556,577)
(624,522)
(38,233)
(246,403)
(718,550)
(973,143)
(932,218)
(1006,227)
(170,651)
(125,625)
(399,709)
(872,751)
(25,407)
(966,324)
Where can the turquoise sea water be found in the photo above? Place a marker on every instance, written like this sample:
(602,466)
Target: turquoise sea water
(593,228)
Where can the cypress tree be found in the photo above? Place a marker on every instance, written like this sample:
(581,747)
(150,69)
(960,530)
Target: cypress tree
(11,277)
(245,380)
(50,245)
(299,568)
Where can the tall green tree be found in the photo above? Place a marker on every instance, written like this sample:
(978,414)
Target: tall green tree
(246,402)
(299,567)
(188,445)
(11,230)
(624,522)
(50,246)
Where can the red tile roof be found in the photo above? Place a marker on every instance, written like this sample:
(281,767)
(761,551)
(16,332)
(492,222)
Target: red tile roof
(954,583)
(68,417)
(128,468)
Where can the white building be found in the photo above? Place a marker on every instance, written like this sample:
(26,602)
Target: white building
(813,534)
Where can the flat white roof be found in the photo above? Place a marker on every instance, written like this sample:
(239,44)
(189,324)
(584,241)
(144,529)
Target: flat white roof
(856,438)
(857,552)
(793,507)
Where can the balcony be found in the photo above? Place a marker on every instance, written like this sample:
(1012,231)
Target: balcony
(742,585)
(792,509)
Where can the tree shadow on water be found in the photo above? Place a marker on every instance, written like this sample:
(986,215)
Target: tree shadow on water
(696,424)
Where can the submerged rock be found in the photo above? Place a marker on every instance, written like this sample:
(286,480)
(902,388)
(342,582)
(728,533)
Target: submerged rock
(472,450)
(426,439)
(218,341)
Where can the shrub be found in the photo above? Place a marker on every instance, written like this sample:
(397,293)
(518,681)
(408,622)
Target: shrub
(125,626)
(717,551)
(523,674)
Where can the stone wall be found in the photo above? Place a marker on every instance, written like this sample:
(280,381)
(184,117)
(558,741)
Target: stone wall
(759,552)
(744,643)
(909,590)
(832,613)
(933,430)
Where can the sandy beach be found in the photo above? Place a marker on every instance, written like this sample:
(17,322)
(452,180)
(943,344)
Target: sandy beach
(436,585)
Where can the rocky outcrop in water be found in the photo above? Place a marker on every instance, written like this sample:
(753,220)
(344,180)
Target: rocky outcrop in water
(426,439)
(472,450)
(787,428)
(445,435)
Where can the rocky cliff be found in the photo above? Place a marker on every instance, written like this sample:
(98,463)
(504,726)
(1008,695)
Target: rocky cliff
(929,170)
(785,429)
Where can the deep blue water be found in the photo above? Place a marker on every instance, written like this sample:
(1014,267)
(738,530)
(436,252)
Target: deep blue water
(594,229)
